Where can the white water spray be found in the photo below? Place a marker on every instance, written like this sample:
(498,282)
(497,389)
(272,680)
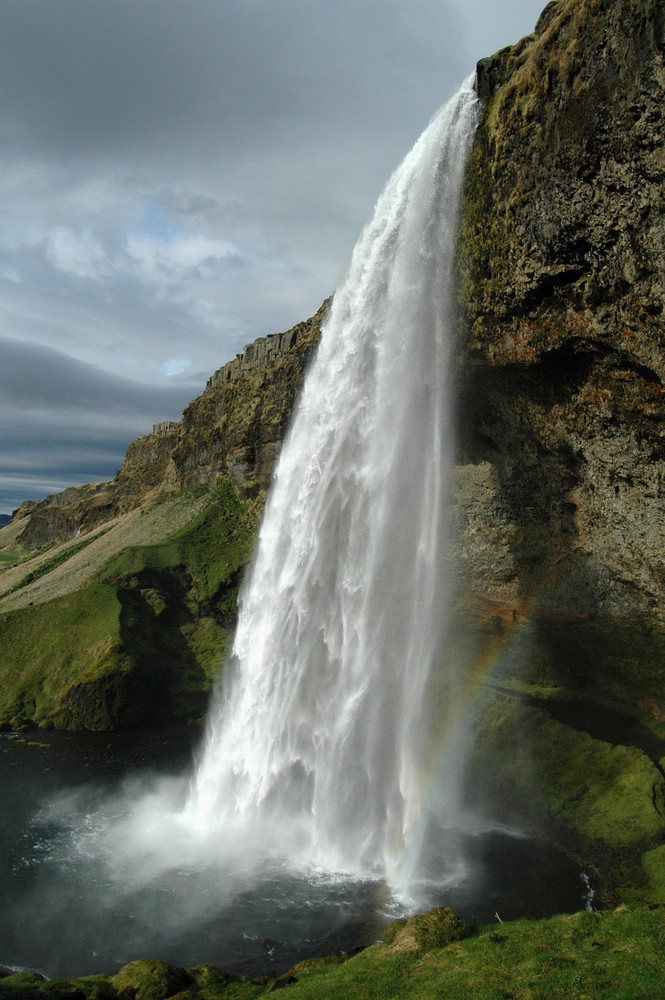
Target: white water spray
(319,743)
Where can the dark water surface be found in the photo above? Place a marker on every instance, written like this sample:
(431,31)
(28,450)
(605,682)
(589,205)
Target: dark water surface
(60,913)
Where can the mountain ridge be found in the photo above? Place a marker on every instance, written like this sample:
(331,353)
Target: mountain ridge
(268,371)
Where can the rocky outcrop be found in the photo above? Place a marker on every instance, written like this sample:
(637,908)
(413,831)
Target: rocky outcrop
(65,515)
(145,464)
(263,351)
(237,426)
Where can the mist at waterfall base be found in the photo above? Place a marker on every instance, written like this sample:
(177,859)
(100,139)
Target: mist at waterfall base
(327,796)
(76,897)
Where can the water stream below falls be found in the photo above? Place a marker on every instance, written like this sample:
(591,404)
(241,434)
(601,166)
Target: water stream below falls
(328,793)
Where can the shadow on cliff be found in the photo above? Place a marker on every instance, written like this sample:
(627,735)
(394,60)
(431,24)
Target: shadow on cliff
(156,680)
(541,429)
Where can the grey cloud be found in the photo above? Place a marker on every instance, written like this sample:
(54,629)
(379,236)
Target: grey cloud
(125,322)
(268,126)
(82,76)
(64,422)
(38,378)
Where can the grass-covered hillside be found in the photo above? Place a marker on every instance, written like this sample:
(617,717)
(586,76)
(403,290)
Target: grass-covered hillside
(617,955)
(127,625)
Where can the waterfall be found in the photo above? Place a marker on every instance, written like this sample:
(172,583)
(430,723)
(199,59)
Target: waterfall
(319,744)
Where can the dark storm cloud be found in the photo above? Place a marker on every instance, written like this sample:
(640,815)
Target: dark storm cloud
(96,77)
(37,378)
(63,422)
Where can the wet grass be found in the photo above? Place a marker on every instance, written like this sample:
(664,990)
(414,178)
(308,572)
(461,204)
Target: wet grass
(43,651)
(580,772)
(617,955)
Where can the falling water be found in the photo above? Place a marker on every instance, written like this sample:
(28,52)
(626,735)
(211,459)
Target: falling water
(320,740)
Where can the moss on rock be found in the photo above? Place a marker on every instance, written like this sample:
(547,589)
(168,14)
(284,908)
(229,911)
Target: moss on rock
(545,763)
(151,980)
(436,928)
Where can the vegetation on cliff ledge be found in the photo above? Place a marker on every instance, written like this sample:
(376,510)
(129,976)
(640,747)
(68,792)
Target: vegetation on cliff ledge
(136,636)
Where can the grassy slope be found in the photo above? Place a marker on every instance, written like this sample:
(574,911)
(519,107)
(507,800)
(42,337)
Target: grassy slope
(110,632)
(43,651)
(79,562)
(618,955)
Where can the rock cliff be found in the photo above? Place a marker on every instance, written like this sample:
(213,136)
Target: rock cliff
(561,477)
(237,426)
(562,288)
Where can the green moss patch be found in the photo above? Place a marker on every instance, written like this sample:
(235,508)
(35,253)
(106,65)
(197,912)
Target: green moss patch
(45,650)
(154,980)
(435,928)
(653,863)
(535,766)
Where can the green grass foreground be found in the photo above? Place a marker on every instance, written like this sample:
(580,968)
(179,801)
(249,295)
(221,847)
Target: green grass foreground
(618,955)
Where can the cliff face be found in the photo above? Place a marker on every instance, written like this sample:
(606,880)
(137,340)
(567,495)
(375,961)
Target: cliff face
(65,515)
(561,479)
(562,287)
(234,428)
(237,426)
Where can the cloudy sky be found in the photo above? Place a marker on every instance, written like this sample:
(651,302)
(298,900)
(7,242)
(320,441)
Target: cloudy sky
(179,177)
